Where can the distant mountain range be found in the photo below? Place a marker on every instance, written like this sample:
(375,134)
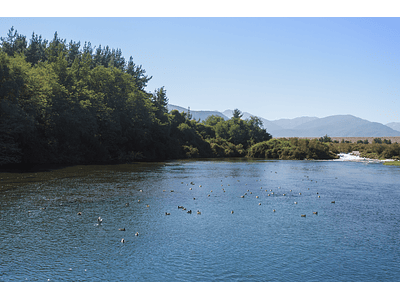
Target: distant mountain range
(394,125)
(337,126)
(196,115)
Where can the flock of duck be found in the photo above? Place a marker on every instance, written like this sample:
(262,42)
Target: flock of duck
(269,193)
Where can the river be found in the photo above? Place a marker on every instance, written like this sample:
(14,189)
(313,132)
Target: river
(249,227)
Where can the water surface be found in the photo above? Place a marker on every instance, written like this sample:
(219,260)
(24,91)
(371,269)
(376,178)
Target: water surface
(354,239)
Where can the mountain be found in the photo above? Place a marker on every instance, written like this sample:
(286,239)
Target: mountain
(292,123)
(270,126)
(337,126)
(197,114)
(394,125)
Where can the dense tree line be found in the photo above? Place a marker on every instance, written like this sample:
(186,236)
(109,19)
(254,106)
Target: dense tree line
(70,103)
(292,148)
(67,103)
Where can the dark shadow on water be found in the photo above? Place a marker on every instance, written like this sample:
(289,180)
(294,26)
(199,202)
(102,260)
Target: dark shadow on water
(31,168)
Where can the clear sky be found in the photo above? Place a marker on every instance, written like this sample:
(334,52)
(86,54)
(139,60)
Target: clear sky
(271,67)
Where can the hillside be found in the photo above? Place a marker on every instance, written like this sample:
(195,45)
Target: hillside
(338,125)
(394,125)
(197,114)
(271,126)
(344,126)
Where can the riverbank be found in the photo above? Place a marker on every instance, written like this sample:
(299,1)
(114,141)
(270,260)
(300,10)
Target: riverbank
(392,163)
(393,139)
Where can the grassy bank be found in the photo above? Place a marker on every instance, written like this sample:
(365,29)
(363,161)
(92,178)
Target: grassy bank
(392,163)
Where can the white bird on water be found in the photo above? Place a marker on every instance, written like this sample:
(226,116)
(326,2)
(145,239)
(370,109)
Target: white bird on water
(99,220)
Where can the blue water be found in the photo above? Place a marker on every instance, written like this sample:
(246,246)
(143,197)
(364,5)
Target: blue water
(357,238)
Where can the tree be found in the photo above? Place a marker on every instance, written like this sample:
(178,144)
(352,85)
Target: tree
(237,114)
(13,43)
(160,99)
(36,51)
(73,52)
(213,120)
(57,47)
(325,139)
(138,74)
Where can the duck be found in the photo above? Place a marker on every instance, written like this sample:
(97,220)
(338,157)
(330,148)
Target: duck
(274,210)
(232,212)
(315,212)
(189,211)
(147,205)
(99,220)
(167,213)
(184,208)
(122,241)
(303,215)
(79,213)
(122,229)
(259,203)
(198,212)
(137,233)
(179,206)
(332,201)
(295,203)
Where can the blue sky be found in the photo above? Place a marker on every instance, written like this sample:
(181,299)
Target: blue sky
(271,67)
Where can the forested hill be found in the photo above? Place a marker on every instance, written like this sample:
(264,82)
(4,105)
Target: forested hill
(73,103)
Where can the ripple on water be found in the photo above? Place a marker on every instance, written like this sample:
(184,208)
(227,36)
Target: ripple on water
(355,239)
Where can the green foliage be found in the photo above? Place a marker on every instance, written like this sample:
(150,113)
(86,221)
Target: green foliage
(325,139)
(213,120)
(237,114)
(385,141)
(237,131)
(293,148)
(14,43)
(66,103)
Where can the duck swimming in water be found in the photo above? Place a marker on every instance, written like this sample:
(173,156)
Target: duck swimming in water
(99,220)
